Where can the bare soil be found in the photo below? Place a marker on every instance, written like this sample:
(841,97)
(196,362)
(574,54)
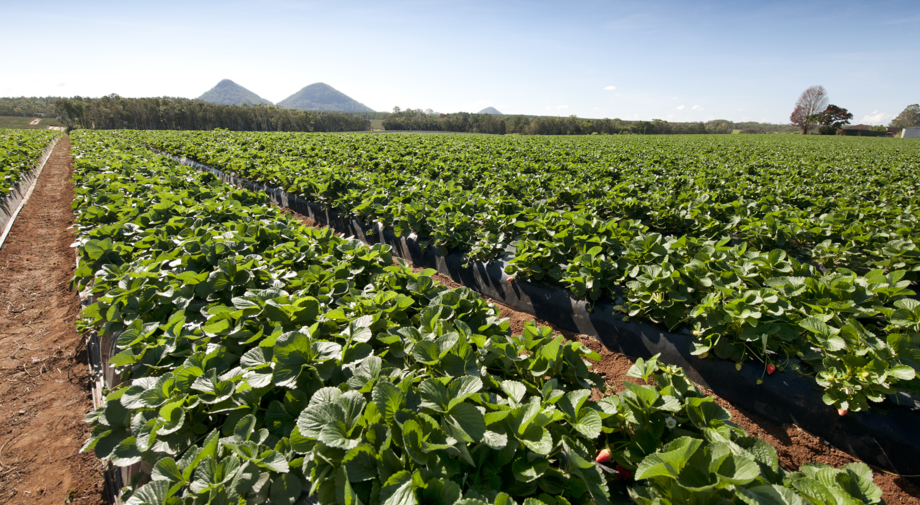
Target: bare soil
(44,377)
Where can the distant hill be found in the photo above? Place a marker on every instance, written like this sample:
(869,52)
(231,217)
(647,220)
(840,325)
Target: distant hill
(320,96)
(490,110)
(228,92)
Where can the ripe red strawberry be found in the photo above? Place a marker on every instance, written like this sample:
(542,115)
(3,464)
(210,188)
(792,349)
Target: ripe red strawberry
(604,456)
(770,369)
(841,412)
(626,474)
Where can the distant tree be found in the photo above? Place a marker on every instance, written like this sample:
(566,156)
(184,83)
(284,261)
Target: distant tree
(832,119)
(908,118)
(812,101)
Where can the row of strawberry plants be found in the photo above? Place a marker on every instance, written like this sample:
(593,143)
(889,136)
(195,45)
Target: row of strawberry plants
(19,152)
(858,332)
(262,361)
(772,192)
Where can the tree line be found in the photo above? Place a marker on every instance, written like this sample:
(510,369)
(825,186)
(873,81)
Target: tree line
(425,120)
(28,106)
(115,112)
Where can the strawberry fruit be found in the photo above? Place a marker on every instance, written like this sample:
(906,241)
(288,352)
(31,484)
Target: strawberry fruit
(770,369)
(604,456)
(841,412)
(625,473)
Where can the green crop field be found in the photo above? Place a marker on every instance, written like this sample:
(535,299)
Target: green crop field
(18,122)
(763,247)
(262,360)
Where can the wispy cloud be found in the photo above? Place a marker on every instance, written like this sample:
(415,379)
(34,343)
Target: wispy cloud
(562,106)
(696,107)
(681,107)
(610,88)
(875,118)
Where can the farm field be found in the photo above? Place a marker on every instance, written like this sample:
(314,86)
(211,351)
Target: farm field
(18,122)
(262,359)
(762,247)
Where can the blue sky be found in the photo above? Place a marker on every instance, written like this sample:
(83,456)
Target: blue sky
(678,61)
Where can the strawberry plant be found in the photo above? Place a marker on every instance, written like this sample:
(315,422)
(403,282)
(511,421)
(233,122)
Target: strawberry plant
(19,152)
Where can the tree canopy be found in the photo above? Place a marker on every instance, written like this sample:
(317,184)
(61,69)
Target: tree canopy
(811,102)
(115,112)
(908,118)
(832,119)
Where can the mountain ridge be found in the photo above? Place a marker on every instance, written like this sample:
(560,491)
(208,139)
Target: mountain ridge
(227,92)
(321,96)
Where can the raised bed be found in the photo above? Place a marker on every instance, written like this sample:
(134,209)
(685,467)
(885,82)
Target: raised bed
(13,202)
(883,437)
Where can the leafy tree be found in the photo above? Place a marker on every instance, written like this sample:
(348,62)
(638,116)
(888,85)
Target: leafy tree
(909,117)
(832,119)
(810,103)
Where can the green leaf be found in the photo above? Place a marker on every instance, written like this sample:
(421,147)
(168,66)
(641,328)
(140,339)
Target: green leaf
(426,352)
(515,390)
(344,493)
(670,460)
(216,328)
(440,492)
(902,372)
(527,469)
(173,417)
(317,416)
(152,493)
(399,489)
(388,399)
(166,469)
(361,463)
(469,420)
(768,495)
(589,423)
(434,395)
(286,488)
(738,470)
(126,453)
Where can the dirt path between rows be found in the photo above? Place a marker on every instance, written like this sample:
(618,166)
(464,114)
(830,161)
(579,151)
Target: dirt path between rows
(44,377)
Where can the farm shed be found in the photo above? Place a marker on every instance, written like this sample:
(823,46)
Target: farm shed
(910,133)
